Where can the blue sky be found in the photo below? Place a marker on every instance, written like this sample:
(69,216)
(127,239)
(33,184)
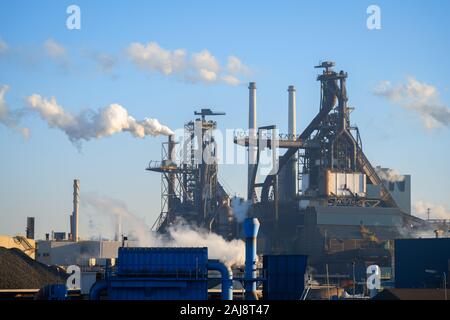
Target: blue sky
(279,41)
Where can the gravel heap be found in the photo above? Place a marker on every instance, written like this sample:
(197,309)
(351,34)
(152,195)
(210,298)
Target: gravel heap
(19,271)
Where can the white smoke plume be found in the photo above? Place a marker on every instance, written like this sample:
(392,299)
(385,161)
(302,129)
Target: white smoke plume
(390,175)
(240,208)
(8,117)
(419,97)
(91,124)
(180,234)
(195,67)
(437,211)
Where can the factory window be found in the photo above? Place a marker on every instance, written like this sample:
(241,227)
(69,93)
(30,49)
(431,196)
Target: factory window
(401,185)
(391,186)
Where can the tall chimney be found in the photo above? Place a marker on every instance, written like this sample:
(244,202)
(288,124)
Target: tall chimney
(252,149)
(292,129)
(74,217)
(292,169)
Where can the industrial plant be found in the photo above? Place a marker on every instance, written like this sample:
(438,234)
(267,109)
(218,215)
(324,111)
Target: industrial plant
(312,226)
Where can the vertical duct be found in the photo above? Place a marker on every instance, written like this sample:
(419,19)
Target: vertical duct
(252,149)
(251,227)
(74,217)
(171,176)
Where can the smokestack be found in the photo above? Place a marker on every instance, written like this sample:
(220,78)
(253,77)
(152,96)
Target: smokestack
(30,228)
(74,217)
(251,227)
(252,149)
(291,174)
(292,129)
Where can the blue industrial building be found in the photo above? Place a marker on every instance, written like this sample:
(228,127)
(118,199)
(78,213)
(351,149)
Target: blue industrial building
(284,276)
(422,263)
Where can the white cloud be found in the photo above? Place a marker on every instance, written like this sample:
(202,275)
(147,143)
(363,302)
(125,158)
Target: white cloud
(54,49)
(437,211)
(193,67)
(419,97)
(105,62)
(155,58)
(92,124)
(57,52)
(3,46)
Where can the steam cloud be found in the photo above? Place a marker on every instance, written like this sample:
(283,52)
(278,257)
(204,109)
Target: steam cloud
(240,208)
(92,124)
(10,118)
(180,235)
(390,175)
(419,97)
(196,67)
(437,211)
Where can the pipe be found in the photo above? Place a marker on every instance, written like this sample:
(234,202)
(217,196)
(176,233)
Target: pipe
(251,227)
(252,149)
(227,277)
(96,289)
(74,217)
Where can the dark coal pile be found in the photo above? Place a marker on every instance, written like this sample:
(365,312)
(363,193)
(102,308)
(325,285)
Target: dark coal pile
(18,271)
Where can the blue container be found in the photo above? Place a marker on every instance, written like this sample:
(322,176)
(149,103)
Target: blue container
(168,261)
(284,276)
(421,263)
(160,274)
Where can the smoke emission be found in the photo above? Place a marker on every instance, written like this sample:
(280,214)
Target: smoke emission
(390,175)
(419,97)
(240,208)
(420,209)
(180,234)
(91,124)
(195,67)
(8,117)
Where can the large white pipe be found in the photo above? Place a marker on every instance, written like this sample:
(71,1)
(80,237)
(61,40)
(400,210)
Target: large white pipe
(76,202)
(252,149)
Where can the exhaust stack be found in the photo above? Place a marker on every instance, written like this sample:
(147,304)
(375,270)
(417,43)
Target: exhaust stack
(251,228)
(252,149)
(74,216)
(292,128)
